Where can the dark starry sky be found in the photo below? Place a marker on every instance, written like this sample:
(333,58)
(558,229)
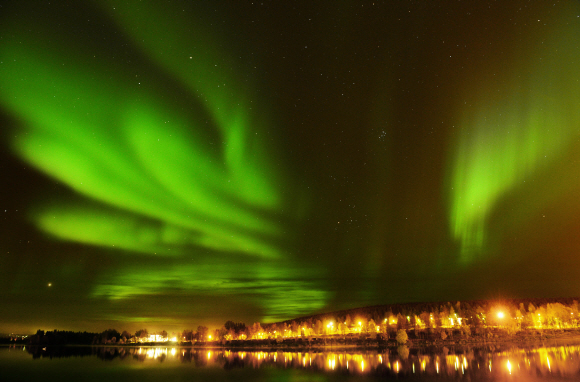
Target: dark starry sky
(174,164)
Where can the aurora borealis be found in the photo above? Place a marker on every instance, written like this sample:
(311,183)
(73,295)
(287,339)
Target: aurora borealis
(169,164)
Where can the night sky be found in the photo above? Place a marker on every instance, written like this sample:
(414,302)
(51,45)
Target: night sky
(168,164)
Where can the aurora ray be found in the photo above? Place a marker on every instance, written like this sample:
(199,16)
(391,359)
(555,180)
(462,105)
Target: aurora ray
(528,125)
(168,162)
(138,153)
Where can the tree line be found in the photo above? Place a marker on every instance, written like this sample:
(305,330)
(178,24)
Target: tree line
(441,318)
(511,315)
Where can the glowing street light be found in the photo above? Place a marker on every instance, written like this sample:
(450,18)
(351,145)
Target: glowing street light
(500,315)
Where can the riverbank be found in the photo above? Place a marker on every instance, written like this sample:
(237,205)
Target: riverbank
(495,336)
(482,338)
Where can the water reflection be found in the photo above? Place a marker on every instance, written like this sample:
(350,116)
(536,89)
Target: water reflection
(449,363)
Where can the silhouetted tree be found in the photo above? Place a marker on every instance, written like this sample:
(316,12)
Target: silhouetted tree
(348,321)
(402,322)
(235,328)
(371,326)
(142,333)
(202,333)
(319,327)
(256,329)
(125,335)
(187,335)
(295,328)
(110,335)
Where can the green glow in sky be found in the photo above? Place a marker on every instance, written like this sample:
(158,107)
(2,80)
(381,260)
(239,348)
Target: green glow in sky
(168,157)
(193,161)
(280,288)
(139,155)
(514,127)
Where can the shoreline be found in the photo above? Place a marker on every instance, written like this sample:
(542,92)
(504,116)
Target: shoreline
(526,340)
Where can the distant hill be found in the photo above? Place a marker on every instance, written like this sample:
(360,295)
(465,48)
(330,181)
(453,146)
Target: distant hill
(378,312)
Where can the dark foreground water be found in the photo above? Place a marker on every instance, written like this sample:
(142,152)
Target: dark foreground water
(556,362)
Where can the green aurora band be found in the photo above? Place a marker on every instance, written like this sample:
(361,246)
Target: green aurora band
(152,126)
(185,178)
(519,125)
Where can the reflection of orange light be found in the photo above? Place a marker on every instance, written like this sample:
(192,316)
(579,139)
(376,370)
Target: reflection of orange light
(365,363)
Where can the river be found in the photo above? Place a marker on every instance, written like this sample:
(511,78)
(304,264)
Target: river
(547,362)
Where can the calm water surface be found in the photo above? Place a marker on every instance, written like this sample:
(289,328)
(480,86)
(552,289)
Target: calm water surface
(490,363)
